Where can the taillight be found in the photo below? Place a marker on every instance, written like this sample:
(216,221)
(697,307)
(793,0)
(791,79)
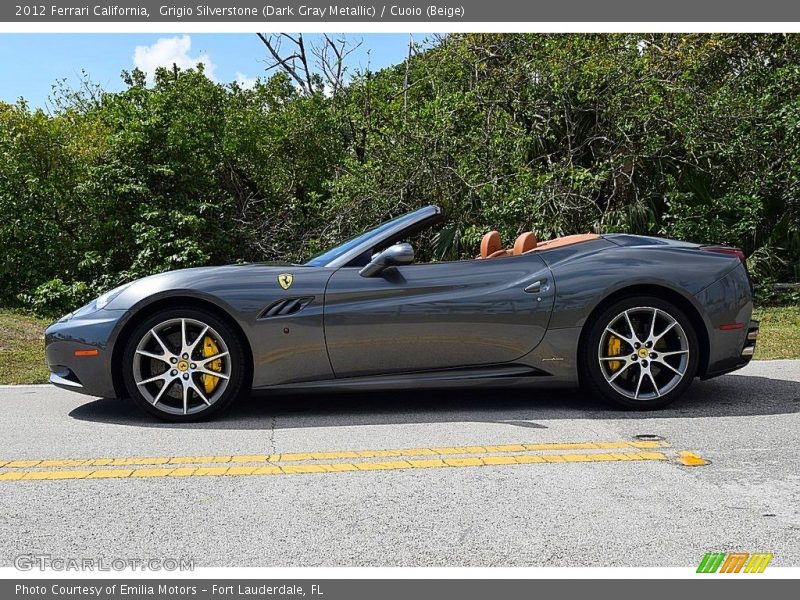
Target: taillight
(727,250)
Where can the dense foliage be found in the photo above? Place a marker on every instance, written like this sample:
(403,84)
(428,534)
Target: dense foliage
(689,136)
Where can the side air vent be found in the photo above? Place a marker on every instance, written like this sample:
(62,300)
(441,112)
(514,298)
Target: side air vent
(285,307)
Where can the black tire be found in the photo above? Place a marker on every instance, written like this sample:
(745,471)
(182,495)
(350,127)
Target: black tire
(236,385)
(625,374)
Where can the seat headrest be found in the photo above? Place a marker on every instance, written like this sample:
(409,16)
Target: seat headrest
(525,242)
(490,244)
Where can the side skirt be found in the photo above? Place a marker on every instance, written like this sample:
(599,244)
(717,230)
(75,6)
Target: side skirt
(501,376)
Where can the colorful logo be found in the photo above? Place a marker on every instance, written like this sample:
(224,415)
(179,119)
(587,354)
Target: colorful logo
(734,562)
(285,280)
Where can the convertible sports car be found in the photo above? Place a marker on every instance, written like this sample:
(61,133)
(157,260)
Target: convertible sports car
(633,319)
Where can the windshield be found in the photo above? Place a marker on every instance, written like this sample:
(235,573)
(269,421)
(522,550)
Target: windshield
(326,257)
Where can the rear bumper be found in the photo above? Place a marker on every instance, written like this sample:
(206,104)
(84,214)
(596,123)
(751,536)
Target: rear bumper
(728,308)
(750,341)
(747,349)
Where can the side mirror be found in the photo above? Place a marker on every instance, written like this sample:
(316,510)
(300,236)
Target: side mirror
(393,256)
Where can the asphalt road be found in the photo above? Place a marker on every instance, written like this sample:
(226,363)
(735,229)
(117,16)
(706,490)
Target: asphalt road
(457,479)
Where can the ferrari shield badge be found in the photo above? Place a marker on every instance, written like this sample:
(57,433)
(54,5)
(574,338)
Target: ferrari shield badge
(285,280)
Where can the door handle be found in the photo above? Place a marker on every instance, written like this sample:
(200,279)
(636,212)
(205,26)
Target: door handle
(537,286)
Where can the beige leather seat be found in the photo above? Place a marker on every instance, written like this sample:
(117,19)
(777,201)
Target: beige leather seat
(492,245)
(524,243)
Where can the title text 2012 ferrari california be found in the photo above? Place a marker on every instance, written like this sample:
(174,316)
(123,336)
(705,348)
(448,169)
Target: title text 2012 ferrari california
(634,319)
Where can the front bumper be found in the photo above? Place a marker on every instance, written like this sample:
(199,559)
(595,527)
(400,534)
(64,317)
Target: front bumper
(70,352)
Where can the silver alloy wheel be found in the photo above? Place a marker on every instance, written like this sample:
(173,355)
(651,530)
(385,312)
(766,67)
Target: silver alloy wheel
(170,368)
(650,357)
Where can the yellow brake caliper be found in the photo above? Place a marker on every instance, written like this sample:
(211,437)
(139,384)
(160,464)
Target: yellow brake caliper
(614,347)
(210,348)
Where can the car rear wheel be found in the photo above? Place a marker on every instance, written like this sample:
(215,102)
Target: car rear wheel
(183,364)
(641,353)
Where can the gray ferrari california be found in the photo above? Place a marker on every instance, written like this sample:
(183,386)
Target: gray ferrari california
(633,319)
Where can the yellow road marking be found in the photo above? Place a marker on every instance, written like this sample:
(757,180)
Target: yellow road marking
(427,463)
(529,460)
(652,456)
(23,463)
(267,471)
(110,474)
(334,467)
(304,469)
(379,466)
(240,470)
(448,463)
(57,474)
(464,462)
(211,470)
(183,472)
(333,455)
(507,448)
(250,458)
(151,472)
(296,456)
(178,460)
(499,460)
(61,463)
(690,459)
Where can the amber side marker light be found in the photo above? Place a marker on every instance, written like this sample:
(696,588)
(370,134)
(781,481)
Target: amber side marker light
(81,353)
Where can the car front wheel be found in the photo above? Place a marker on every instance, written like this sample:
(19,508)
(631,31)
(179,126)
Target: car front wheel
(183,364)
(641,353)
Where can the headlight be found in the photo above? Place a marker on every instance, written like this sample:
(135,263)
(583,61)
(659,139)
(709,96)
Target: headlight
(98,303)
(103,300)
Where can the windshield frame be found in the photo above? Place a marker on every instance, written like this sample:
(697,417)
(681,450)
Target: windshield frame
(347,251)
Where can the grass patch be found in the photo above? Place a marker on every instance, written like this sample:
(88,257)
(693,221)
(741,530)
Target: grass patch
(22,348)
(780,332)
(22,342)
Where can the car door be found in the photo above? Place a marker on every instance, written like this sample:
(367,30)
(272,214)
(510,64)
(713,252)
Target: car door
(436,316)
